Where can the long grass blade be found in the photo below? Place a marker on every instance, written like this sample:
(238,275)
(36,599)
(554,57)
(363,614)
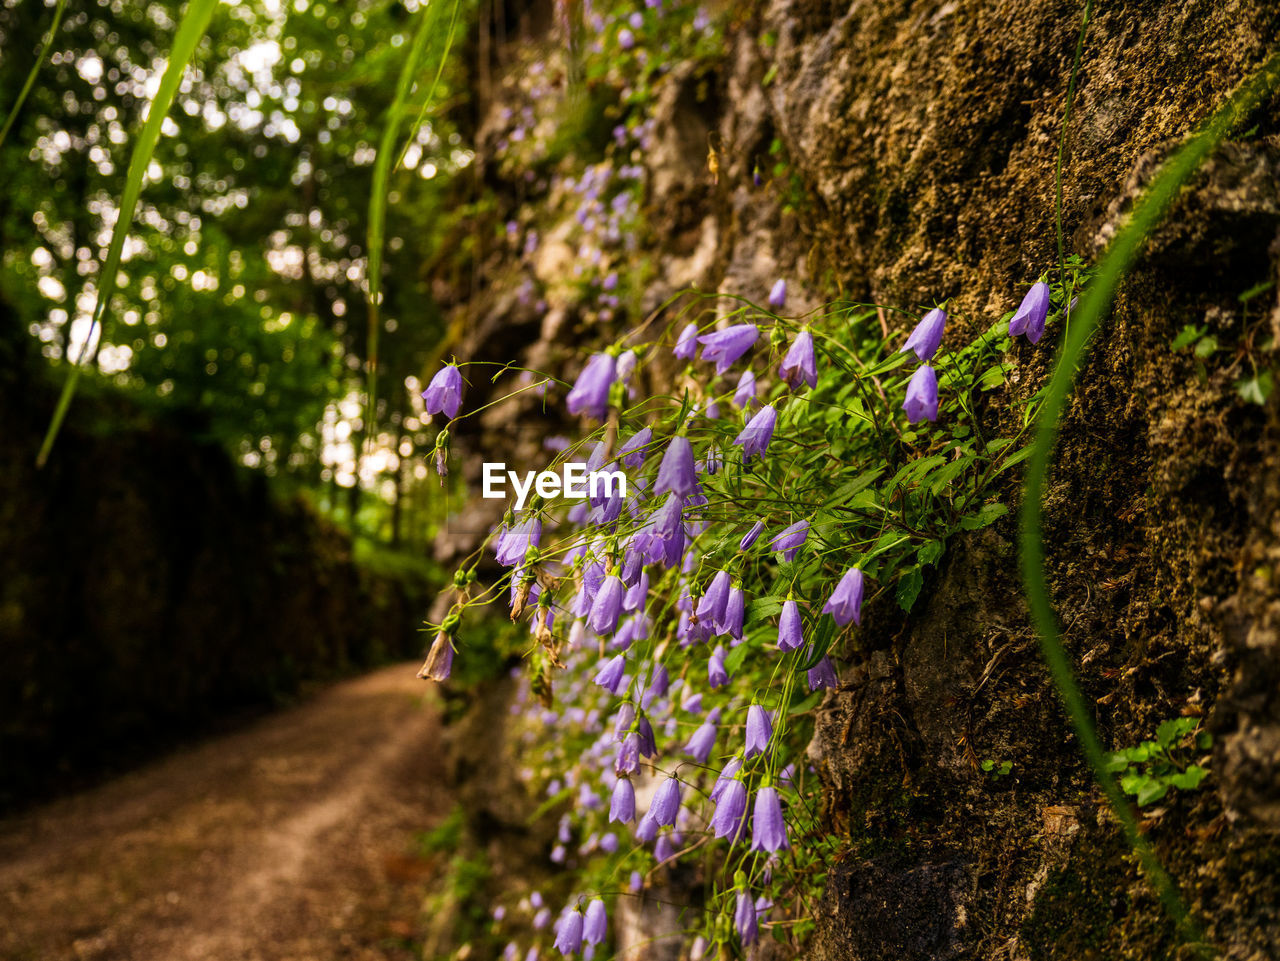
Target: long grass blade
(35,69)
(195,21)
(431,18)
(1118,258)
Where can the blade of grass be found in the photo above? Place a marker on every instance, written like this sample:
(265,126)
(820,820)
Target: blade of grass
(431,19)
(1120,255)
(194,23)
(35,69)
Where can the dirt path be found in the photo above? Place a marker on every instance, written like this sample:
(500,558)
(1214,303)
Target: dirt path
(292,839)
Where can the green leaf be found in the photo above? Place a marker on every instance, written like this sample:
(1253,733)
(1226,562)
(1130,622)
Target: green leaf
(1189,779)
(194,23)
(909,585)
(1206,346)
(1188,334)
(734,659)
(763,607)
(1172,731)
(989,514)
(808,704)
(930,551)
(1256,389)
(1151,790)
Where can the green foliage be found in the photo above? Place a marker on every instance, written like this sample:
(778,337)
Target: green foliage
(1148,770)
(996,770)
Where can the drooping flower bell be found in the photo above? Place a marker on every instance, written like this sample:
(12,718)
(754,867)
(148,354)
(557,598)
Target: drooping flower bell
(734,613)
(676,473)
(790,539)
(744,919)
(790,627)
(731,808)
(799,366)
(1031,313)
(607,606)
(590,394)
(822,675)
(845,603)
(666,802)
(768,829)
(569,933)
(595,927)
(726,346)
(717,676)
(755,437)
(778,295)
(610,676)
(922,395)
(627,760)
(622,803)
(924,340)
(687,345)
(633,452)
(759,731)
(712,605)
(745,393)
(727,774)
(704,738)
(444,393)
(439,663)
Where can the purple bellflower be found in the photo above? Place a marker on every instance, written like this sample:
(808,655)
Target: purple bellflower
(1031,313)
(790,627)
(711,607)
(704,738)
(729,772)
(607,606)
(799,366)
(845,603)
(922,395)
(744,919)
(745,393)
(596,926)
(622,805)
(734,612)
(717,676)
(755,437)
(768,829)
(731,808)
(822,675)
(924,340)
(590,394)
(726,346)
(628,758)
(687,345)
(790,539)
(632,453)
(610,676)
(666,802)
(569,933)
(444,393)
(676,473)
(759,731)
(778,295)
(647,829)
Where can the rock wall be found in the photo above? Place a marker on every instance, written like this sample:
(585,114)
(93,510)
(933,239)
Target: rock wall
(920,142)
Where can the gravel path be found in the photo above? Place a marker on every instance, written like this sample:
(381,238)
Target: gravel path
(292,839)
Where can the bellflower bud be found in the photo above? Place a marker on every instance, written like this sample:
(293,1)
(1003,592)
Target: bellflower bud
(744,919)
(628,758)
(750,536)
(607,606)
(745,394)
(778,295)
